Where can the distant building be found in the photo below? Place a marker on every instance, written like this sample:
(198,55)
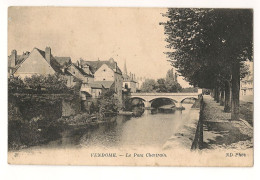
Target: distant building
(129,83)
(91,90)
(247,83)
(38,62)
(107,74)
(140,81)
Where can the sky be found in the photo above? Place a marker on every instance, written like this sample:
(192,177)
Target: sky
(131,35)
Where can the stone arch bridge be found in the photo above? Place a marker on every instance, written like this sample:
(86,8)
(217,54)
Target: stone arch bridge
(178,98)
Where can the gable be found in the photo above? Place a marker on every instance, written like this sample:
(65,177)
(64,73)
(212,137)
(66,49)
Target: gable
(75,72)
(104,69)
(104,73)
(34,64)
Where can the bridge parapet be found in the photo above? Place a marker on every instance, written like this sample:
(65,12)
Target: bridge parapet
(165,94)
(176,97)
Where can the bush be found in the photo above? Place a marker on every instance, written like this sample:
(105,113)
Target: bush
(15,84)
(107,103)
(51,83)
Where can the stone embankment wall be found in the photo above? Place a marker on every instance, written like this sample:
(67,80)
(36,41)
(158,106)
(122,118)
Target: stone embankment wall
(33,118)
(50,106)
(198,139)
(186,137)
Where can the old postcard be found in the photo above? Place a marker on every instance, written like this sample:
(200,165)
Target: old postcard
(130,86)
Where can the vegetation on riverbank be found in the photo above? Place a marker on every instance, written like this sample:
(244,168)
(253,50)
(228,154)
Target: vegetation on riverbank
(35,109)
(247,112)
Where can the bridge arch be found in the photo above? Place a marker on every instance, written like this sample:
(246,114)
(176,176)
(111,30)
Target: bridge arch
(132,98)
(188,98)
(160,101)
(177,98)
(175,101)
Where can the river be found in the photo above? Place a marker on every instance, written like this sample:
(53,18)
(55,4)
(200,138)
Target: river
(148,130)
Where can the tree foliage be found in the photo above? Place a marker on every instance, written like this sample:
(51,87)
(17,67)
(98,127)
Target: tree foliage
(207,47)
(161,85)
(15,84)
(52,83)
(204,43)
(149,85)
(107,103)
(40,84)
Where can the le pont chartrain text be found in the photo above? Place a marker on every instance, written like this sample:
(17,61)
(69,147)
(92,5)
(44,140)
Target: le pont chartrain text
(128,155)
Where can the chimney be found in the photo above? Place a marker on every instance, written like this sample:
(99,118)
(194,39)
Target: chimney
(111,60)
(13,58)
(48,54)
(86,69)
(175,78)
(115,66)
(125,69)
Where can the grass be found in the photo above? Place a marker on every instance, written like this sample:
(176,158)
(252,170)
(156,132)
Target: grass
(247,111)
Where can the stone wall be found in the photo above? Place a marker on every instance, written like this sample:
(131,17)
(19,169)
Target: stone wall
(44,106)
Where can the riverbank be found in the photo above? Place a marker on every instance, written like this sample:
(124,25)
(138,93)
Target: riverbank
(40,132)
(219,132)
(185,137)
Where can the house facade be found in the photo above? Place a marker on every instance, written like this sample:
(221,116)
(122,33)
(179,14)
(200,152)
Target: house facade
(94,75)
(107,74)
(92,90)
(37,62)
(247,83)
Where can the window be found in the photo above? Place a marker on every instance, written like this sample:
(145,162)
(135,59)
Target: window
(104,79)
(104,70)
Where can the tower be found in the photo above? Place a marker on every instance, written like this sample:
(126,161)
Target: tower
(48,54)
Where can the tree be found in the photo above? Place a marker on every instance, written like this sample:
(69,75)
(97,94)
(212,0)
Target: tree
(207,46)
(52,83)
(107,103)
(149,85)
(172,86)
(161,86)
(15,84)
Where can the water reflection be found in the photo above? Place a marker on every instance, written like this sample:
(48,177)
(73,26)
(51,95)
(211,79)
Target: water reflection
(148,129)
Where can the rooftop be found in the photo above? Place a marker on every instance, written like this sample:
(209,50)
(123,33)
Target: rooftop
(95,65)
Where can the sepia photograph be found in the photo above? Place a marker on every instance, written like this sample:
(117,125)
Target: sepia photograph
(125,86)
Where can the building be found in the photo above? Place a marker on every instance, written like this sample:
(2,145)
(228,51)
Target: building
(140,81)
(106,73)
(91,90)
(38,62)
(129,82)
(247,83)
(80,72)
